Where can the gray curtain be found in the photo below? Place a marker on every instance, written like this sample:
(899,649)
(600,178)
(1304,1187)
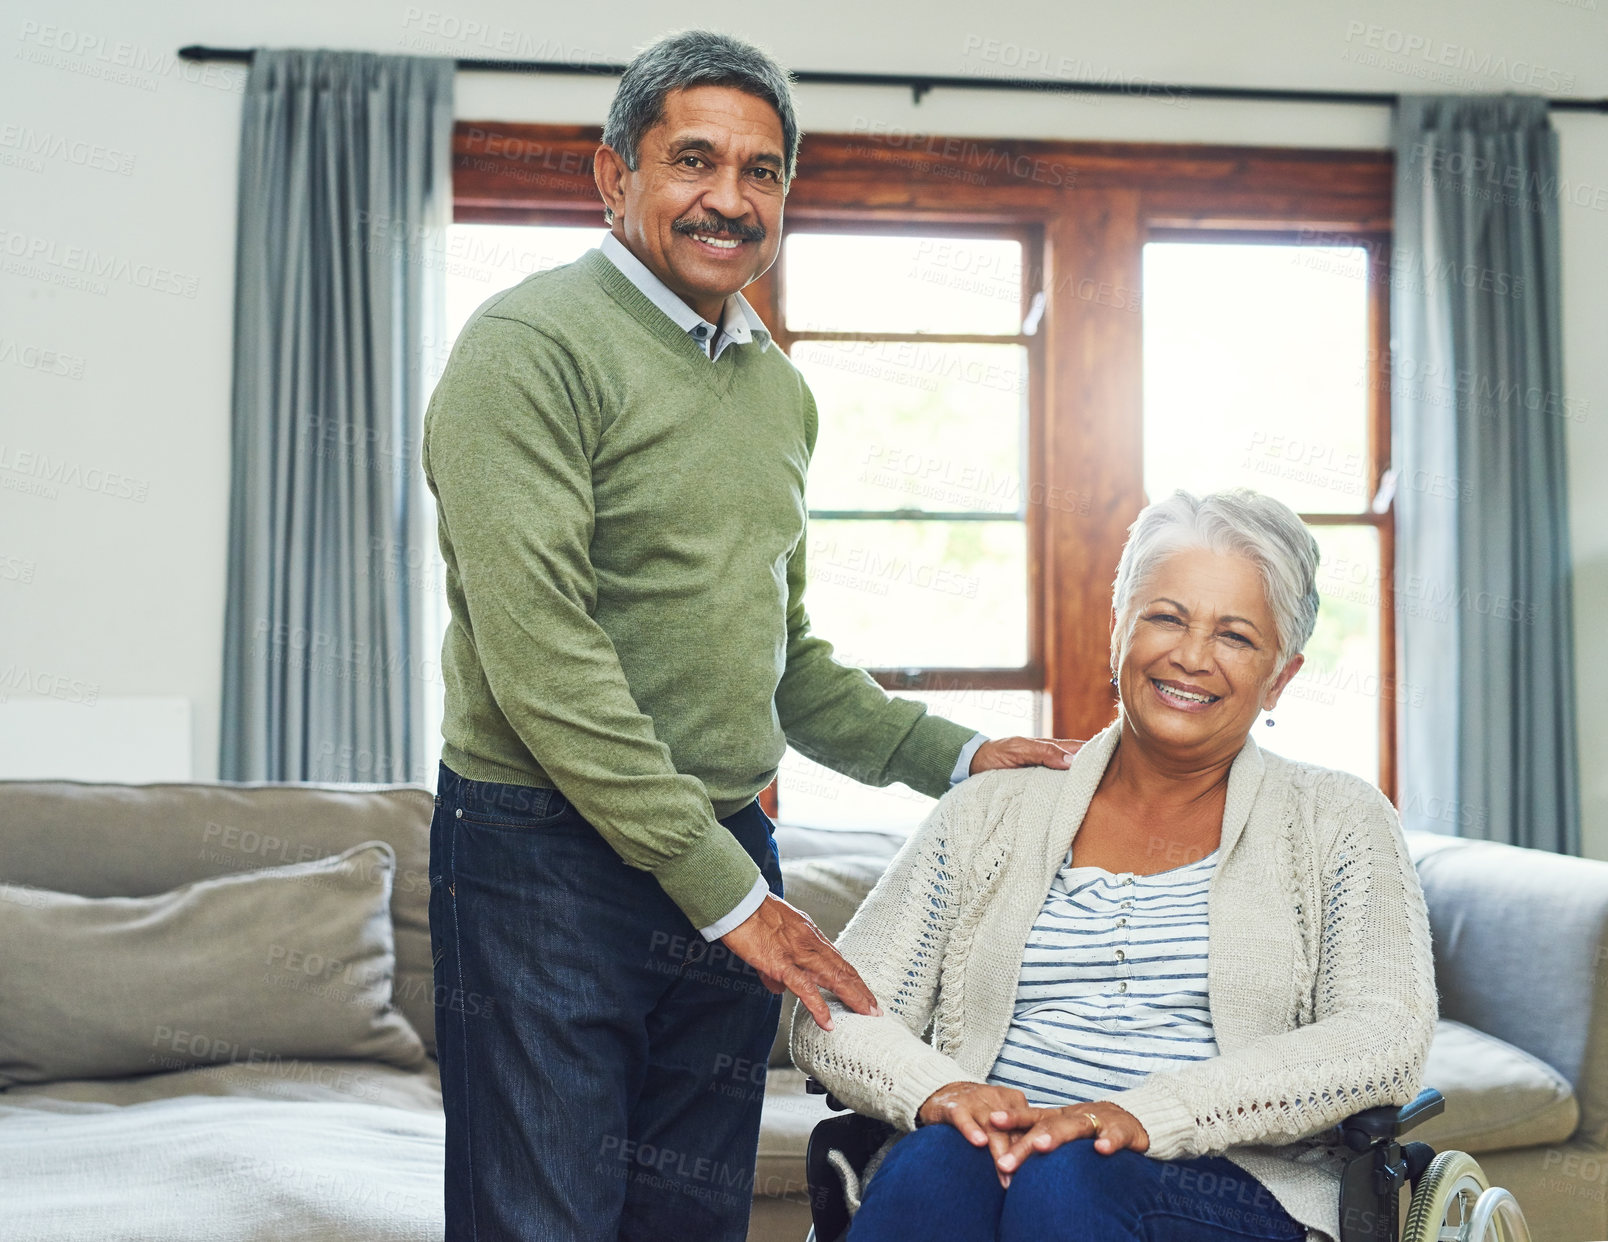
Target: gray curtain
(1482,555)
(345,190)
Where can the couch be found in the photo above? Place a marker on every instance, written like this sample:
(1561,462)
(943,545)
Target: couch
(269,1147)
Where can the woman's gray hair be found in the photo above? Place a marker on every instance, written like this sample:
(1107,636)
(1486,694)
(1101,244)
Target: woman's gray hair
(1239,522)
(696,58)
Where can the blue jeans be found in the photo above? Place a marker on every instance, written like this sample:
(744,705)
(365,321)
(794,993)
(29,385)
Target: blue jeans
(934,1184)
(602,1065)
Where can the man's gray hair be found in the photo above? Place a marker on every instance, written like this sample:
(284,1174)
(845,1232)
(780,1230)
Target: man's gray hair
(696,58)
(1239,522)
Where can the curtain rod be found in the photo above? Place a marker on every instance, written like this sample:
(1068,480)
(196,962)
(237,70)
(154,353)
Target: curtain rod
(919,84)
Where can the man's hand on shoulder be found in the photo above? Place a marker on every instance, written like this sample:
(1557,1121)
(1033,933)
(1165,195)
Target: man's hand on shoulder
(787,949)
(1024,752)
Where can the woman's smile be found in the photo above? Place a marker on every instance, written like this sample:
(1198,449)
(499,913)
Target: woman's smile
(1182,696)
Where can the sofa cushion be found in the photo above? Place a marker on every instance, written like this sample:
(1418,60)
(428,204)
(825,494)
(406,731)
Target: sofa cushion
(794,842)
(197,1168)
(1497,1096)
(1520,938)
(1422,845)
(829,890)
(784,1134)
(307,1082)
(111,840)
(292,961)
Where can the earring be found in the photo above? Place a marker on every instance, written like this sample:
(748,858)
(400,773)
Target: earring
(1268,722)
(1113,681)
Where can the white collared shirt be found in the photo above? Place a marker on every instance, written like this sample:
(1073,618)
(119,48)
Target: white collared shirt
(739,324)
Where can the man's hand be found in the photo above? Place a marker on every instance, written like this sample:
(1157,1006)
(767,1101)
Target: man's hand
(979,1112)
(1024,752)
(788,951)
(1034,1131)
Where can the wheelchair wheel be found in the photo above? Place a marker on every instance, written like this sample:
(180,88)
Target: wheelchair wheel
(1498,1210)
(1444,1199)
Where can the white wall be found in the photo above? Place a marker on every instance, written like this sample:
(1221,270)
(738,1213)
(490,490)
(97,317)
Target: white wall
(118,592)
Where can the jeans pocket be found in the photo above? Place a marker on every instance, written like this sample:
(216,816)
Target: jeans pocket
(513,807)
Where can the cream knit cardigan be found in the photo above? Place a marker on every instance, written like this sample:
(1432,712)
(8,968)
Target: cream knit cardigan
(1320,977)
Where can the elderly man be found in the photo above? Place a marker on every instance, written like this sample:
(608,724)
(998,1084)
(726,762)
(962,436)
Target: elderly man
(618,456)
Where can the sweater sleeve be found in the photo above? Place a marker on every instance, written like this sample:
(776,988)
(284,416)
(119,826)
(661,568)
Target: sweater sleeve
(881,1066)
(1373,1014)
(508,442)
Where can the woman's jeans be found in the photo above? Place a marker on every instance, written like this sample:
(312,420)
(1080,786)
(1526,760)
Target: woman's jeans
(602,1065)
(936,1187)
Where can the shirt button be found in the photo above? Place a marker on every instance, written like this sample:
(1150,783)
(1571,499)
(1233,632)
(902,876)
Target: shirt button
(1128,905)
(1127,879)
(1120,922)
(1121,956)
(700,332)
(1122,987)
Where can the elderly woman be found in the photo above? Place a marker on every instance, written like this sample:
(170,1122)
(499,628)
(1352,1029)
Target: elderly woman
(1157,980)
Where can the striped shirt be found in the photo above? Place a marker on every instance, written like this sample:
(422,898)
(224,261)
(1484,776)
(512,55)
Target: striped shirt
(1113,984)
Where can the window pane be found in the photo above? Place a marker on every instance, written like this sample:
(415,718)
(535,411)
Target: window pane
(916,594)
(840,282)
(817,797)
(1254,372)
(483,259)
(1330,713)
(907,425)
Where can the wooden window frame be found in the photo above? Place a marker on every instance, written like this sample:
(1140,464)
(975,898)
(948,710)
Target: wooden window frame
(1091,206)
(768,295)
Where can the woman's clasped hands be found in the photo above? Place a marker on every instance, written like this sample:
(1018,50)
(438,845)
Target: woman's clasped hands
(1001,1119)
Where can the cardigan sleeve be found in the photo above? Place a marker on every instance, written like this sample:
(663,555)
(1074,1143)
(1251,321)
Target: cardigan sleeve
(881,1066)
(1373,1012)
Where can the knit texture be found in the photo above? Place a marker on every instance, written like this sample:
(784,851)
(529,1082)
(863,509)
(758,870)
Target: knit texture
(623,526)
(1320,975)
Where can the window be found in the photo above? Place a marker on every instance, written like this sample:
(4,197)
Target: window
(1255,376)
(917,491)
(484,259)
(812,795)
(1013,344)
(919,347)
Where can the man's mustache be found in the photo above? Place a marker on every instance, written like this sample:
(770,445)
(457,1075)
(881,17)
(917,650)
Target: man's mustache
(718,225)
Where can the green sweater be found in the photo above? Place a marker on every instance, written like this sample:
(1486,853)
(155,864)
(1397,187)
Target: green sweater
(623,527)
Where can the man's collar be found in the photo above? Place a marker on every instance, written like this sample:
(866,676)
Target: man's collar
(738,320)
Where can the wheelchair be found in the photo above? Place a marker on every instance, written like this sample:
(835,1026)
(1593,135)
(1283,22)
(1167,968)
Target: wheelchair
(1449,1199)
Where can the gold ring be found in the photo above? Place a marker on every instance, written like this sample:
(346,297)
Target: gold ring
(1093,1121)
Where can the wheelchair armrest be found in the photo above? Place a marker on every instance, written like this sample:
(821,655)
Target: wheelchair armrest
(1376,1125)
(855,1138)
(813,1086)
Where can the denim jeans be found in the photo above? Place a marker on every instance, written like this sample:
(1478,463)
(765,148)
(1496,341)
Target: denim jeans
(602,1065)
(934,1184)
